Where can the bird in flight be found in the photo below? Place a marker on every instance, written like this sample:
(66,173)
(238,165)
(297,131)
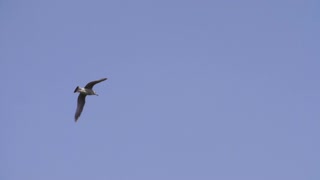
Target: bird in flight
(87,90)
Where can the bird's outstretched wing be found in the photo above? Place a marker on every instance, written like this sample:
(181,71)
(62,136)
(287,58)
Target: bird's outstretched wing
(92,83)
(81,102)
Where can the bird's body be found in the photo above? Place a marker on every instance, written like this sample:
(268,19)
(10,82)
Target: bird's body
(87,90)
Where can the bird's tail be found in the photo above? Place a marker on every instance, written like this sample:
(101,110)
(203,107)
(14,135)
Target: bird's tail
(76,89)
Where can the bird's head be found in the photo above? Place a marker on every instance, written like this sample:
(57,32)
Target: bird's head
(95,93)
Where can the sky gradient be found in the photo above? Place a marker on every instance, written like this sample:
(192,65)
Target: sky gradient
(205,90)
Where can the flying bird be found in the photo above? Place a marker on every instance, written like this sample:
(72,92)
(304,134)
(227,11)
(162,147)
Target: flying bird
(87,90)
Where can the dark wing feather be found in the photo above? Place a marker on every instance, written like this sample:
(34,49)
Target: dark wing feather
(92,83)
(81,102)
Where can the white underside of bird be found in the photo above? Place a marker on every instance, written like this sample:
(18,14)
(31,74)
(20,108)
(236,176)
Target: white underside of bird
(85,91)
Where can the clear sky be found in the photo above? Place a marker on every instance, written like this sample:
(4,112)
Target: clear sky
(196,90)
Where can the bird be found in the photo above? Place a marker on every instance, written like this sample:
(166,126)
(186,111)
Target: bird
(87,90)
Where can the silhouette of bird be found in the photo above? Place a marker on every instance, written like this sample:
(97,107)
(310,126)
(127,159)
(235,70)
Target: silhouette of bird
(87,90)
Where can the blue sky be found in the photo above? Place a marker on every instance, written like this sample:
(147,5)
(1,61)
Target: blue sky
(196,90)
